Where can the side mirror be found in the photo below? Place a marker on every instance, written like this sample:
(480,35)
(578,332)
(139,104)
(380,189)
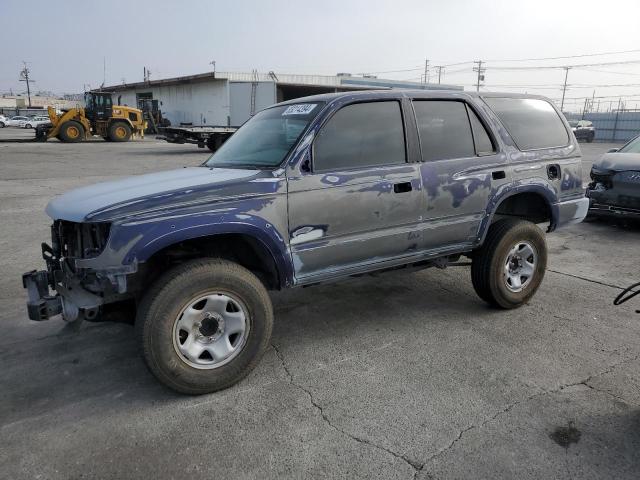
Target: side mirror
(613,150)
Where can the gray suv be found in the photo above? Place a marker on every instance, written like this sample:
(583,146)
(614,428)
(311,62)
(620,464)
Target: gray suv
(311,191)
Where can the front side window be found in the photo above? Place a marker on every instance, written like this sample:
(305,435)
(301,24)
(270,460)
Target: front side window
(361,135)
(266,138)
(532,123)
(444,128)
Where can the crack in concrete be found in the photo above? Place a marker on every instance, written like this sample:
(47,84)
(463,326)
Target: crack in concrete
(414,464)
(590,280)
(584,382)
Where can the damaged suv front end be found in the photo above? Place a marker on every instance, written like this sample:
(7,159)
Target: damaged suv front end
(615,186)
(81,289)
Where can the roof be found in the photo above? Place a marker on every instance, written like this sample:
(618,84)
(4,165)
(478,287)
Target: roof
(332,81)
(410,93)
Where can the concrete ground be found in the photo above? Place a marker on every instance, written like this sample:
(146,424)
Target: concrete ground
(400,376)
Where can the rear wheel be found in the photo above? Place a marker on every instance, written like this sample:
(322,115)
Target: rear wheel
(509,267)
(27,125)
(2,125)
(71,132)
(204,325)
(119,132)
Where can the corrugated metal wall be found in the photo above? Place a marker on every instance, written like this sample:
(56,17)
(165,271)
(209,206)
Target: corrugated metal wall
(240,99)
(617,126)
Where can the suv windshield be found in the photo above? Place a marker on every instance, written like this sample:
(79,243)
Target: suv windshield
(632,147)
(265,139)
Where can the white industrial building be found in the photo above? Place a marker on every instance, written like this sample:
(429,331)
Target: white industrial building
(229,98)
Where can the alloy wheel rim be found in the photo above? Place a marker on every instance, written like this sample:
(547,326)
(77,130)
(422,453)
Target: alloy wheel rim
(520,266)
(211,330)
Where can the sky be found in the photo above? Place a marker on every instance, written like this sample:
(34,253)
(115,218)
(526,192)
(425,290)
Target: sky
(66,43)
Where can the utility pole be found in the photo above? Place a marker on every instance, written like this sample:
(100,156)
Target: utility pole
(439,67)
(213,62)
(564,87)
(24,77)
(480,71)
(426,71)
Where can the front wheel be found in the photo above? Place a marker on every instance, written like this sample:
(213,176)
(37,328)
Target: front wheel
(71,132)
(28,125)
(119,132)
(509,267)
(204,325)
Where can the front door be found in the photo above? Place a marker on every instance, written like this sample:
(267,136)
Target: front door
(361,201)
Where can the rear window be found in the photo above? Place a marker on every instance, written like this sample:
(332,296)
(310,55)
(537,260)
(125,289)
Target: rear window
(531,122)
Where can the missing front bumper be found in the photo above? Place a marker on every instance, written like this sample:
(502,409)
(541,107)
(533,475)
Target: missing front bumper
(41,305)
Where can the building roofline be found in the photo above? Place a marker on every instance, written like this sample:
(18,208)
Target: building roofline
(302,80)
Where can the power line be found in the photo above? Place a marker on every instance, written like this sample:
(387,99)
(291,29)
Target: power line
(566,56)
(539,67)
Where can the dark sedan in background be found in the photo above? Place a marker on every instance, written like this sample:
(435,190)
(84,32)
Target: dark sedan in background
(615,186)
(583,130)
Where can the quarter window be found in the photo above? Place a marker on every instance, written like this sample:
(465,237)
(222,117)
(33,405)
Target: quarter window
(532,123)
(444,130)
(481,138)
(361,135)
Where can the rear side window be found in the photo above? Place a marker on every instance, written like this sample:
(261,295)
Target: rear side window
(444,130)
(531,122)
(361,135)
(483,143)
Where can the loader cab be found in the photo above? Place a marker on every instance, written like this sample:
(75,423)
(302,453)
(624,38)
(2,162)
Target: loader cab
(98,105)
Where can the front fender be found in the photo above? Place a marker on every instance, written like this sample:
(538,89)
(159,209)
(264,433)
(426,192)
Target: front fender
(136,241)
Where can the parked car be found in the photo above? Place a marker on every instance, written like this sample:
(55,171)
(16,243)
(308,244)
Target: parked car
(35,121)
(583,130)
(309,191)
(615,186)
(3,121)
(17,121)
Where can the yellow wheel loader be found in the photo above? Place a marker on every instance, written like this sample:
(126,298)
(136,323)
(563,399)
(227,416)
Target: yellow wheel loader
(115,123)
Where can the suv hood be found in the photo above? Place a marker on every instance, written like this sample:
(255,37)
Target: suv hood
(618,162)
(142,192)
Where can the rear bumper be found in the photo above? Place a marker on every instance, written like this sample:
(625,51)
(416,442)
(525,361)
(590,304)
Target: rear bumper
(40,305)
(572,211)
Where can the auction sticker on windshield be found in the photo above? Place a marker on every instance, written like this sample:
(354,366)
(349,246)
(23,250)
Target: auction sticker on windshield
(300,109)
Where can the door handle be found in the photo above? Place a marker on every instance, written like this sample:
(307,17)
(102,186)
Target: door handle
(402,187)
(498,175)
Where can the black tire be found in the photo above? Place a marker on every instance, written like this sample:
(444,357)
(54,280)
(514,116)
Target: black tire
(489,261)
(27,125)
(171,293)
(119,132)
(590,138)
(71,132)
(2,125)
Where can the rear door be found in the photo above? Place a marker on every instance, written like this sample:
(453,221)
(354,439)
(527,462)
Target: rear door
(361,202)
(462,165)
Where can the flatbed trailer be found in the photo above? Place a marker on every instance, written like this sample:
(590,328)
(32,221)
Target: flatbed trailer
(210,136)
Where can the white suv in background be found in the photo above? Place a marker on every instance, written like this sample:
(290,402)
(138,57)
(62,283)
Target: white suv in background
(17,121)
(35,121)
